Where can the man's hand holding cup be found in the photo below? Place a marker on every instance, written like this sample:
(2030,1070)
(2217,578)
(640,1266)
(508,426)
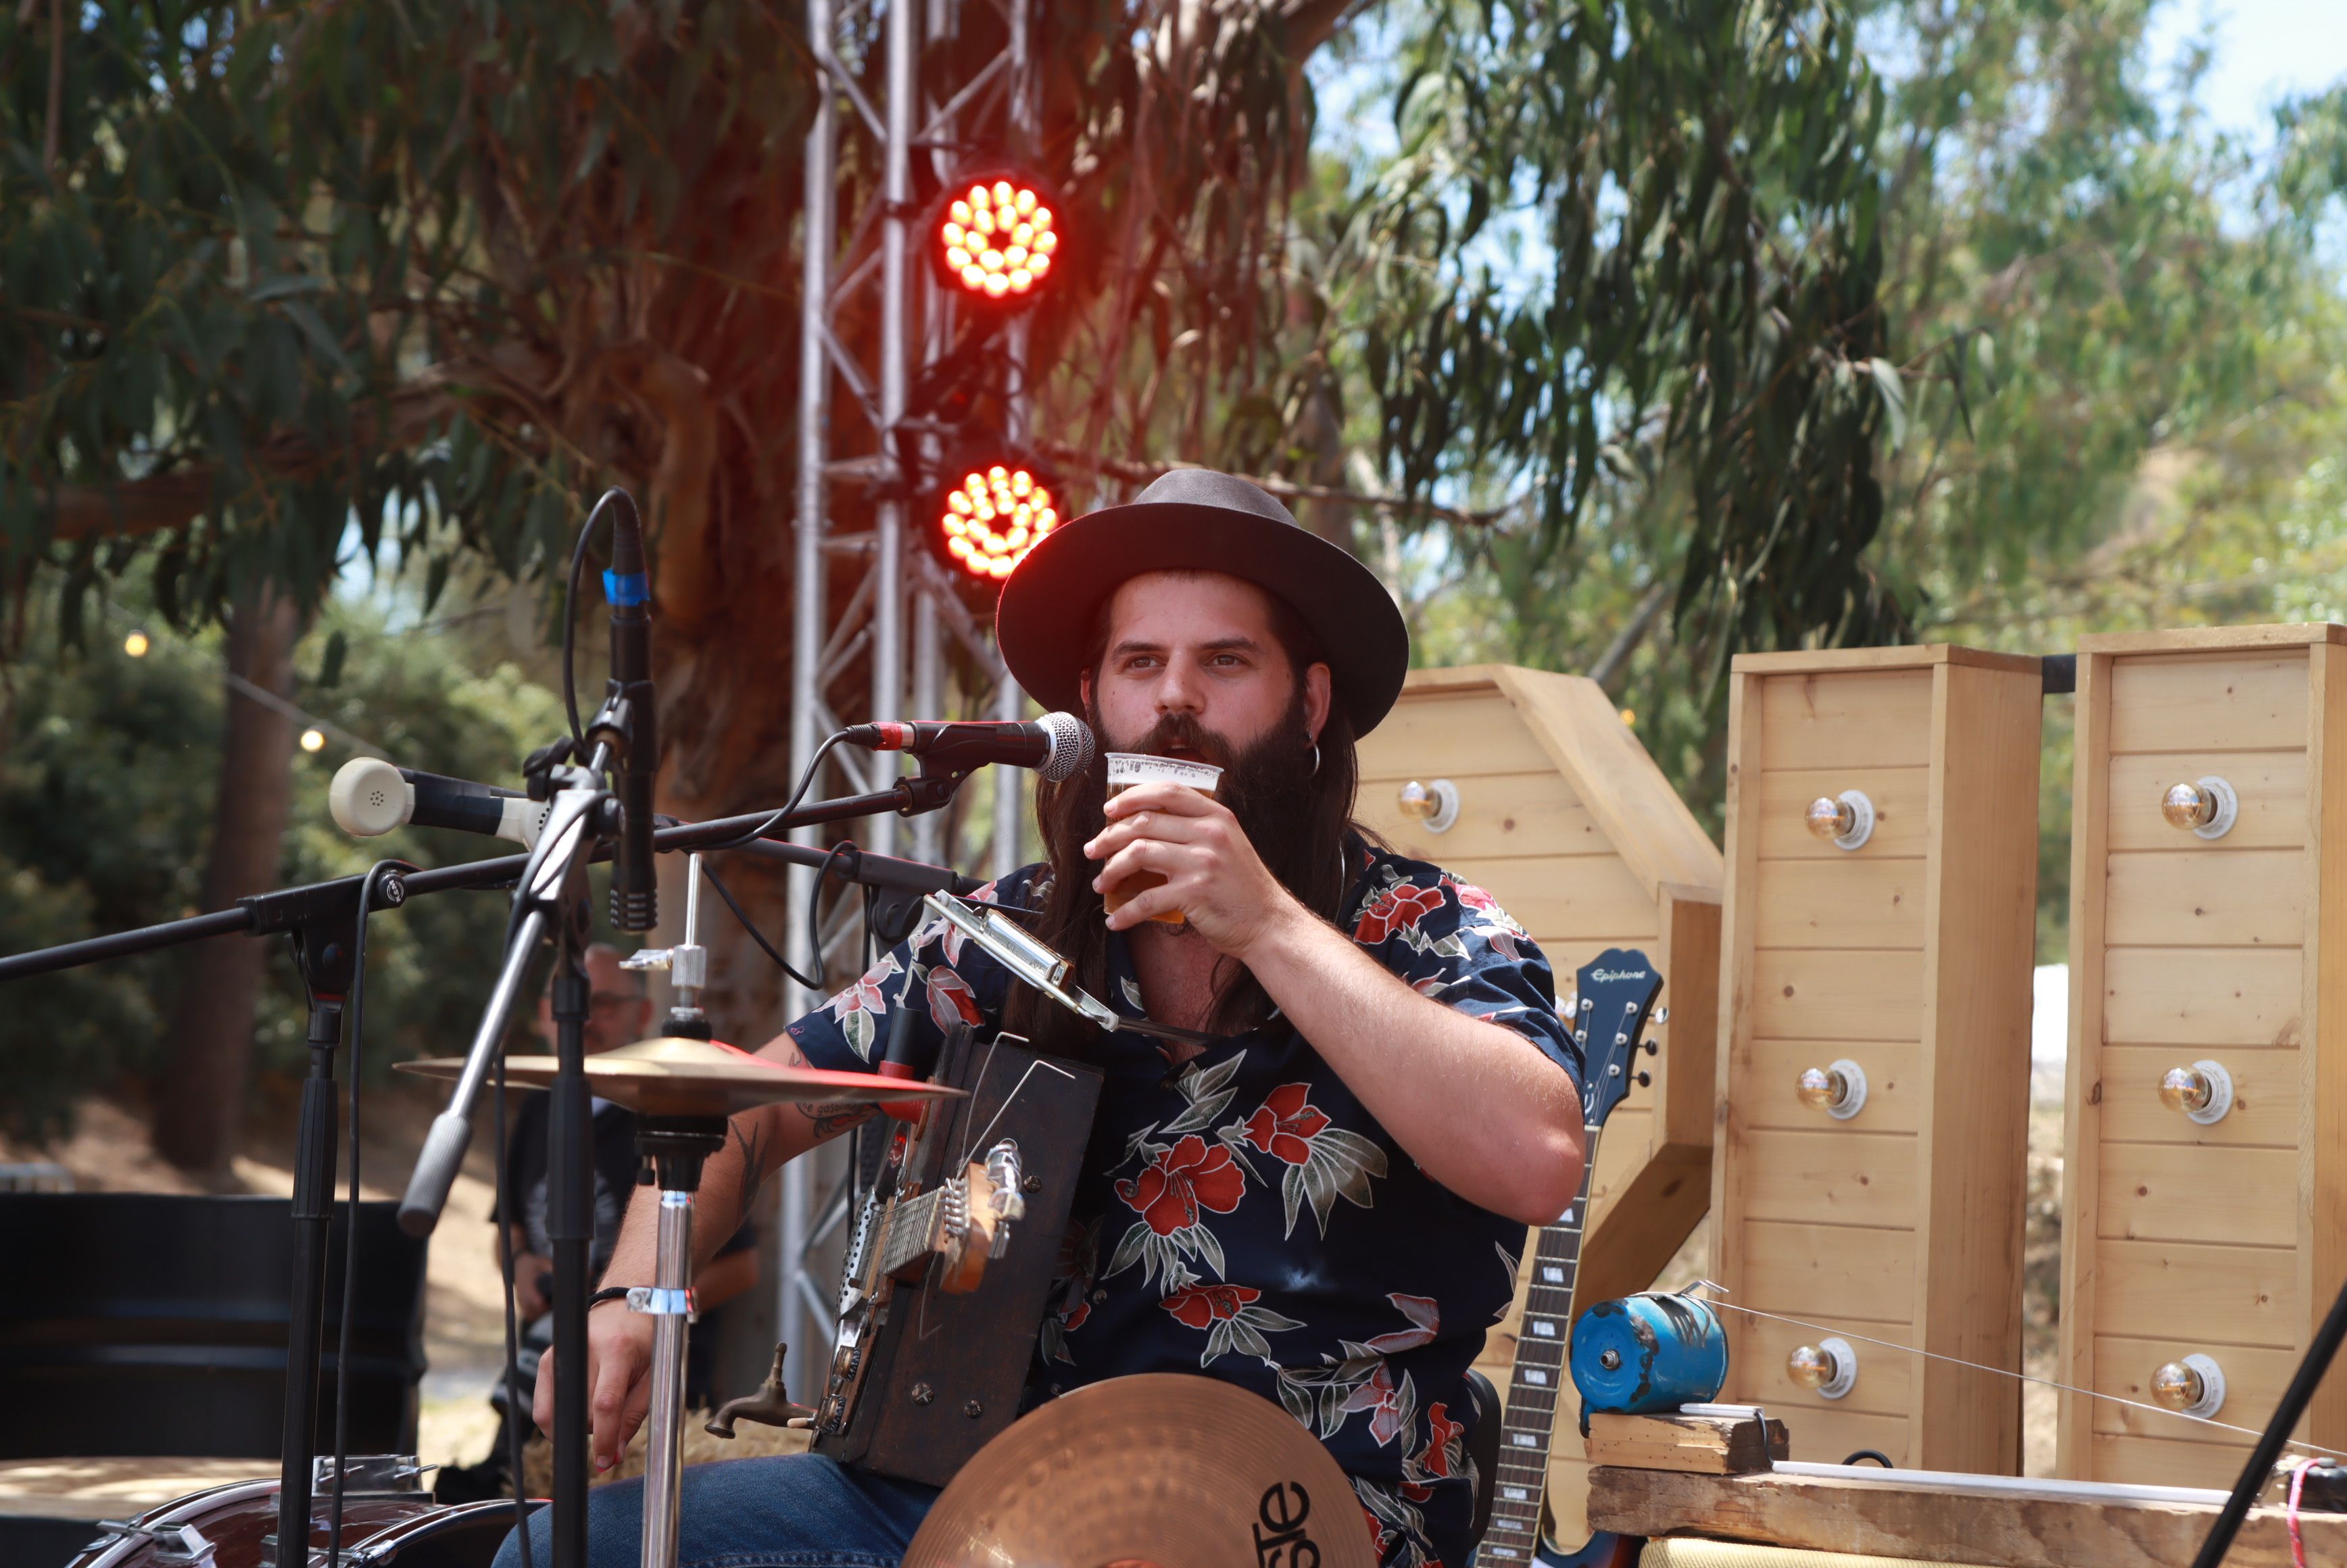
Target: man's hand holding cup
(1172,853)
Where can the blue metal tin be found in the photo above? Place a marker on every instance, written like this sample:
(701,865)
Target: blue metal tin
(1646,1353)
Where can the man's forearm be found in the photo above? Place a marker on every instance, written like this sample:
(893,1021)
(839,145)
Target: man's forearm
(1477,1105)
(757,1144)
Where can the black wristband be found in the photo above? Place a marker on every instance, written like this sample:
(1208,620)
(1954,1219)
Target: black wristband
(609,1293)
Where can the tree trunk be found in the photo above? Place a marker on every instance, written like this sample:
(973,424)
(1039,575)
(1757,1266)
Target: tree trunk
(200,1092)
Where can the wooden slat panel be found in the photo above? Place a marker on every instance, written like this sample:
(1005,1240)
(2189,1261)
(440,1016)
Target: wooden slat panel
(1862,900)
(2272,786)
(2155,1290)
(2224,898)
(1870,719)
(2265,1097)
(1830,1437)
(2212,702)
(1563,896)
(2236,1196)
(2159,1462)
(1885,1378)
(1901,798)
(1836,1273)
(1837,1177)
(1438,731)
(2254,1380)
(2184,996)
(1499,814)
(1836,995)
(1765,1071)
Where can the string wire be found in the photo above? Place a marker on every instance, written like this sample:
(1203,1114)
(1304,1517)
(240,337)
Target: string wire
(2002,1372)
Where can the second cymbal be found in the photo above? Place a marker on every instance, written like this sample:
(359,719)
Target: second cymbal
(671,1076)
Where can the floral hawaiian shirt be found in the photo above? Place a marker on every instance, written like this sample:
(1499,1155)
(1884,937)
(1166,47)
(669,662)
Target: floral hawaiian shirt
(1241,1216)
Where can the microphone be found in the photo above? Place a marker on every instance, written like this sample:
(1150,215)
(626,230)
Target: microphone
(635,885)
(369,796)
(1057,745)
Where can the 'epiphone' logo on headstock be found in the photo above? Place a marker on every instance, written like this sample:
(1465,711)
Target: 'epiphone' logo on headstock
(1280,1540)
(1605,975)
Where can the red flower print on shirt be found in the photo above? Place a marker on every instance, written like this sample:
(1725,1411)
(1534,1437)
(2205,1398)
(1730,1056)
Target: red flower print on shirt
(1231,1320)
(1389,1404)
(1185,1179)
(1200,1305)
(1286,1124)
(1425,1315)
(1398,909)
(951,1000)
(1439,1460)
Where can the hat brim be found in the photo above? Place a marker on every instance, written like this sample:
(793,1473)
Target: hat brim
(1044,621)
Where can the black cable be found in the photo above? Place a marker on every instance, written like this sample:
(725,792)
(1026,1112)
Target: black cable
(356,1015)
(571,615)
(752,926)
(814,766)
(513,1336)
(843,850)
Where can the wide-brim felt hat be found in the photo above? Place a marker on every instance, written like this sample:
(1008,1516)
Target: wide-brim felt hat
(1194,519)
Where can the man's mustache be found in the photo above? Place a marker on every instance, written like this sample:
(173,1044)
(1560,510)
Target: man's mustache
(1182,729)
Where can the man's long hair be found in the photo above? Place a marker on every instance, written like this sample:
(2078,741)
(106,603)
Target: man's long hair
(1296,816)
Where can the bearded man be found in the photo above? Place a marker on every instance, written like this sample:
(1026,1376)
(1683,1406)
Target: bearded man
(1322,1206)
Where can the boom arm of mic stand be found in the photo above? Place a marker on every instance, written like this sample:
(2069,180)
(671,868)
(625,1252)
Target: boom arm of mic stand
(452,1129)
(566,836)
(498,871)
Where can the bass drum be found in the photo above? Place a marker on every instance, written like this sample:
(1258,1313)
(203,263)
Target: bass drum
(234,1526)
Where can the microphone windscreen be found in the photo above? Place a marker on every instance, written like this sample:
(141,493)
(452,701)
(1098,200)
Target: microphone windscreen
(369,797)
(1073,746)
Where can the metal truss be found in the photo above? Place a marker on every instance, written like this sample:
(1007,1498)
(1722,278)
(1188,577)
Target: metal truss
(902,614)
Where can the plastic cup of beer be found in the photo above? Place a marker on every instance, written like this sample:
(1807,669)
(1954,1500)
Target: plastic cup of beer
(1126,769)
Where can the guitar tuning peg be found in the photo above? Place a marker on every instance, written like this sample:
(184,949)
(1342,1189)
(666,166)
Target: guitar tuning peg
(1661,1015)
(1652,1048)
(1645,1080)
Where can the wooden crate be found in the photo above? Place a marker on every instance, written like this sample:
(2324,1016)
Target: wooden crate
(1570,825)
(2225,1239)
(1911,955)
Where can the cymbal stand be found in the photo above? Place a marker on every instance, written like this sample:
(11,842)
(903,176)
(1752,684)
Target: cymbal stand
(676,1146)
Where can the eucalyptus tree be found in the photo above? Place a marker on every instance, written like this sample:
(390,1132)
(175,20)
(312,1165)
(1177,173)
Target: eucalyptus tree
(283,285)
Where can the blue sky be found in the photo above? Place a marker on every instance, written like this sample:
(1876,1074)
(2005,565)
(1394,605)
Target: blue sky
(2264,50)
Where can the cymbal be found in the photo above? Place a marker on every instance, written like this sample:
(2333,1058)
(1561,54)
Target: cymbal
(671,1076)
(1157,1470)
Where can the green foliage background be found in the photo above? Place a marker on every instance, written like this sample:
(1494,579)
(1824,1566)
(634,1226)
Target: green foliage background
(106,800)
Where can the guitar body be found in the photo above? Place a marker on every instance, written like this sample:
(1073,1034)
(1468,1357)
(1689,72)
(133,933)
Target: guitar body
(945,1356)
(1603,1550)
(1615,991)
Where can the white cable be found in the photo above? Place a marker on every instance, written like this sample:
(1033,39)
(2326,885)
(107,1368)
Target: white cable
(2001,1372)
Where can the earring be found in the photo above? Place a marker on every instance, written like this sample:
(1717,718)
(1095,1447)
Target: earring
(1316,759)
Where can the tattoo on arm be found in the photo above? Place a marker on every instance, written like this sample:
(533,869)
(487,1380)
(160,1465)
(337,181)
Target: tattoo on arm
(829,1120)
(756,1144)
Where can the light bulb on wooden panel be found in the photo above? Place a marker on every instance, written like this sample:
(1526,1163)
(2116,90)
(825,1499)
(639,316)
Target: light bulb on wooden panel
(2203,1092)
(1435,805)
(2206,807)
(1846,821)
(2194,1385)
(1839,1091)
(1830,1367)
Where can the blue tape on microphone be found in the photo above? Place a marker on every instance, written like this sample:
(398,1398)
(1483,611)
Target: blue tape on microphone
(627,587)
(1648,1354)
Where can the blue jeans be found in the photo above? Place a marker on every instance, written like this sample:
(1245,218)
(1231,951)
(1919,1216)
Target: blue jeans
(785,1510)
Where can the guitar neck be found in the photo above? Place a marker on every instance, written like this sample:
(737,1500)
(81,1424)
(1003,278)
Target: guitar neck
(912,1232)
(1537,1380)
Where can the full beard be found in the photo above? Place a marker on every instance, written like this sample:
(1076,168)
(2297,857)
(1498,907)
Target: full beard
(1266,783)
